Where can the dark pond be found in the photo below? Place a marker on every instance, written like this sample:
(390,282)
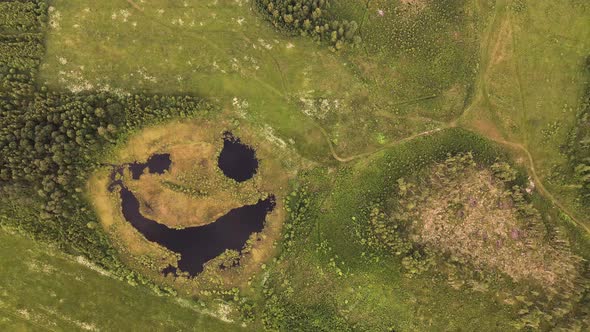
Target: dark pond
(196,245)
(237,160)
(156,164)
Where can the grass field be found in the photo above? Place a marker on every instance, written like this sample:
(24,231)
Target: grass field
(224,50)
(44,290)
(359,119)
(531,83)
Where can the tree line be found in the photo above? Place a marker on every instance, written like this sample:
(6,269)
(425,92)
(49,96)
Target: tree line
(50,142)
(579,145)
(22,16)
(310,18)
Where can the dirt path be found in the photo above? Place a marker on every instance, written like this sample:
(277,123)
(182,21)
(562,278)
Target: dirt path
(134,5)
(539,184)
(491,46)
(369,153)
(489,43)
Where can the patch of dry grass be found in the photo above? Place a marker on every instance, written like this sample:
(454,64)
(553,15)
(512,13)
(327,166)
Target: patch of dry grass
(135,250)
(471,215)
(208,193)
(194,148)
(194,168)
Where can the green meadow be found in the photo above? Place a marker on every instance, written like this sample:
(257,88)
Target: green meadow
(46,290)
(225,50)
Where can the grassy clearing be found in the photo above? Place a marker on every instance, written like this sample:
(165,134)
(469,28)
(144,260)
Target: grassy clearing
(109,49)
(44,290)
(532,82)
(227,52)
(423,54)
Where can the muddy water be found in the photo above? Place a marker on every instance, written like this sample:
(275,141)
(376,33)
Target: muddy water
(198,245)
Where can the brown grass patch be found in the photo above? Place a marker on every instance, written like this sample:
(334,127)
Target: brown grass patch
(194,148)
(127,239)
(469,214)
(486,127)
(100,198)
(194,167)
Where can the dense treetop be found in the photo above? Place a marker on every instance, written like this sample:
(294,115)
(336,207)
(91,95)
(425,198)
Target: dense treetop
(310,18)
(579,145)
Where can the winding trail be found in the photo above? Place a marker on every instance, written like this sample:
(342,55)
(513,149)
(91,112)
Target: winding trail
(369,153)
(489,47)
(539,184)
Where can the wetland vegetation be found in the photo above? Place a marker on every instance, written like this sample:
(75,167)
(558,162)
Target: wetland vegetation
(305,165)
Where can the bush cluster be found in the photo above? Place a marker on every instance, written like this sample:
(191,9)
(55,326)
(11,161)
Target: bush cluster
(578,147)
(310,18)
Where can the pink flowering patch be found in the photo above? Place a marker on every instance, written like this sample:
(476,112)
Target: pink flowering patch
(380,12)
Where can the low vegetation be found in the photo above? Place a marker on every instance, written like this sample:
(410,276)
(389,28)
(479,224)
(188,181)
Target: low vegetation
(41,288)
(579,145)
(391,216)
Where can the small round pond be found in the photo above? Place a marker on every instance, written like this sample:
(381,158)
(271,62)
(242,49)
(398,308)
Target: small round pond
(237,160)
